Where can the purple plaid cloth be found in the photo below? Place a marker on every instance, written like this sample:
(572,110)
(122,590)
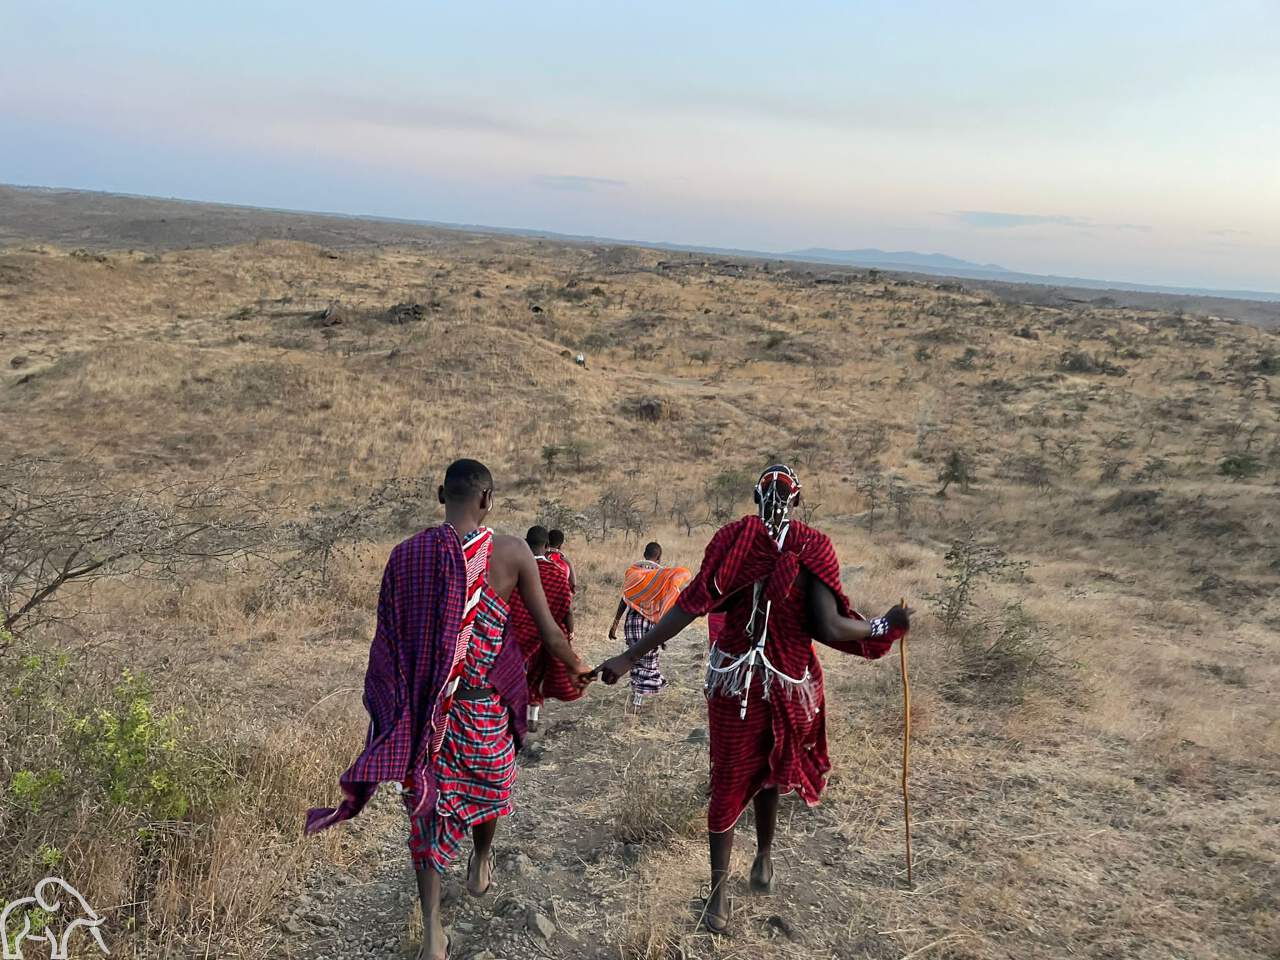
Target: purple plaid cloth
(419,616)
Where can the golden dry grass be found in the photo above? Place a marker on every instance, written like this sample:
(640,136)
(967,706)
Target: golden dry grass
(1127,810)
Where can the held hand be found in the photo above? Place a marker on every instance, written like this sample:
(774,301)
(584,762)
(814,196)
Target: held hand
(582,675)
(899,618)
(614,668)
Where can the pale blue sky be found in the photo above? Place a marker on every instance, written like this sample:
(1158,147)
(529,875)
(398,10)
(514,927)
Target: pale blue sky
(1120,140)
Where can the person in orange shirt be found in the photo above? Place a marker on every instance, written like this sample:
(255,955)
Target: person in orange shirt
(649,590)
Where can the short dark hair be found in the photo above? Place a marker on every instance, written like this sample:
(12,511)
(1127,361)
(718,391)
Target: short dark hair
(466,479)
(555,539)
(536,538)
(652,550)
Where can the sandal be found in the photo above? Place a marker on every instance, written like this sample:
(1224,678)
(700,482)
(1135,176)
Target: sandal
(761,886)
(493,873)
(714,924)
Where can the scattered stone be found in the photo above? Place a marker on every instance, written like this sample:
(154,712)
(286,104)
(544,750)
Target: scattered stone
(18,361)
(294,928)
(330,316)
(521,865)
(697,735)
(782,925)
(631,853)
(508,906)
(403,313)
(540,924)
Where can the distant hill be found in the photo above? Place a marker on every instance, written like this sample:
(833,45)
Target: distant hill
(82,218)
(896,259)
(940,263)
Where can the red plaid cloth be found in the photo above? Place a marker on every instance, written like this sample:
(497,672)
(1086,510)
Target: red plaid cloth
(475,767)
(778,744)
(561,561)
(415,646)
(549,679)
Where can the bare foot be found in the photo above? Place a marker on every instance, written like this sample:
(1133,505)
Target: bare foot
(435,944)
(762,874)
(480,874)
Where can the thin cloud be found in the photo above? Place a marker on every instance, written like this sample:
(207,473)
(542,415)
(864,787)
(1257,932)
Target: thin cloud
(577,184)
(994,220)
(997,220)
(415,114)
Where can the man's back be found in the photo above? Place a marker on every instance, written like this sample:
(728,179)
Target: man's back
(505,564)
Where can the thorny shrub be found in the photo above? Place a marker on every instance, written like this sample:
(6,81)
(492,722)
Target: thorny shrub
(969,566)
(1005,658)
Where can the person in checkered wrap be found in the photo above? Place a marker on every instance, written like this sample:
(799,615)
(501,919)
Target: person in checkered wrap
(446,693)
(777,582)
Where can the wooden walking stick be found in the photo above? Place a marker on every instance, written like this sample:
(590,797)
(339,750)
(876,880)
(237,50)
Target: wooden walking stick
(906,741)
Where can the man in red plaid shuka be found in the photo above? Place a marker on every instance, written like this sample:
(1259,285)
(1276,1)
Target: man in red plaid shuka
(555,553)
(549,679)
(445,694)
(777,582)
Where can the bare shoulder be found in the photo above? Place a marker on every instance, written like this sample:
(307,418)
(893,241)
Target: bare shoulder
(508,544)
(509,551)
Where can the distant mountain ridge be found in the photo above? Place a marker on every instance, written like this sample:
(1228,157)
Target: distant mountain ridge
(896,258)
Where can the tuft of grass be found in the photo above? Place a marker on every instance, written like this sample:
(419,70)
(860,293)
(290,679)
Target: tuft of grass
(1006,659)
(657,804)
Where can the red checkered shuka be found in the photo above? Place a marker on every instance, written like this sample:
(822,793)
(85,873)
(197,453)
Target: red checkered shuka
(549,679)
(475,767)
(420,610)
(779,743)
(561,561)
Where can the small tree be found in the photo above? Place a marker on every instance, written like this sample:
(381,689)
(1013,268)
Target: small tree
(955,470)
(969,565)
(723,492)
(900,497)
(871,486)
(550,454)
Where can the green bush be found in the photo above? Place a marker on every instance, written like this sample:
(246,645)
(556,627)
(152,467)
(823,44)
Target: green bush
(104,783)
(115,749)
(1240,466)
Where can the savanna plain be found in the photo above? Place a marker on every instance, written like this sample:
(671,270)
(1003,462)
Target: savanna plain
(216,423)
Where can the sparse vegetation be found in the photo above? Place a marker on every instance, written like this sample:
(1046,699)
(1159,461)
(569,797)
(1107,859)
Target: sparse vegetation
(1139,494)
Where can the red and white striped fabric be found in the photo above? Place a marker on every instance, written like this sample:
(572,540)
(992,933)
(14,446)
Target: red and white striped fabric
(476,551)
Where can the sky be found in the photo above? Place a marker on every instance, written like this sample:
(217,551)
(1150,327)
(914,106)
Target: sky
(1118,140)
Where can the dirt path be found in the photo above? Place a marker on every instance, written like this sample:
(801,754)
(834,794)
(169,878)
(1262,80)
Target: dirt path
(1056,844)
(562,874)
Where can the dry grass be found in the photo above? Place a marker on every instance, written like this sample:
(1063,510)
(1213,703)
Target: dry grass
(1100,781)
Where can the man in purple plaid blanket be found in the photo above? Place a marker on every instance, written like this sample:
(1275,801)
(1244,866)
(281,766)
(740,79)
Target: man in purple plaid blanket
(446,695)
